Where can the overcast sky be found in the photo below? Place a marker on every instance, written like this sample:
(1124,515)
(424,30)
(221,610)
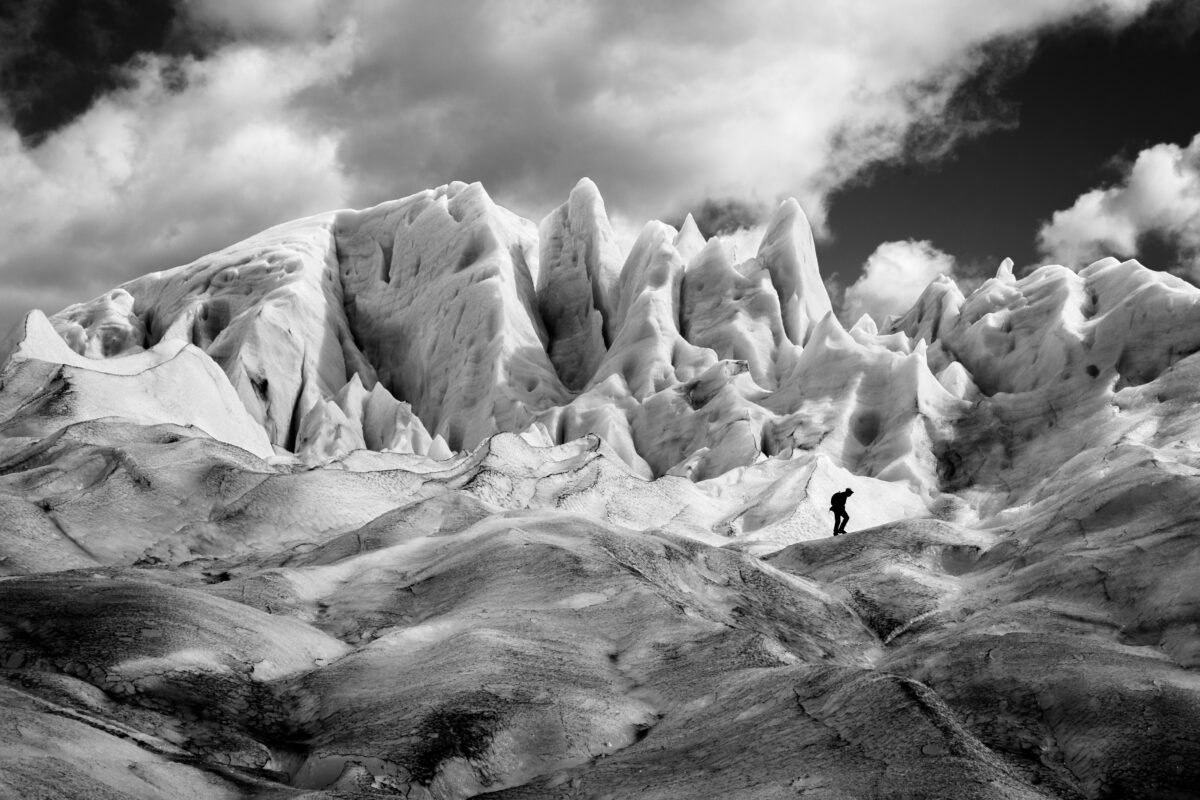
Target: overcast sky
(921,136)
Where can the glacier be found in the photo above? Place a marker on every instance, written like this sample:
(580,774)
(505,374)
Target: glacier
(431,500)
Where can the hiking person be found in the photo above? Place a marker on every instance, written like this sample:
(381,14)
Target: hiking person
(837,504)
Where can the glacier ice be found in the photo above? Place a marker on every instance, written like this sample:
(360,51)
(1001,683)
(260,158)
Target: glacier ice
(428,499)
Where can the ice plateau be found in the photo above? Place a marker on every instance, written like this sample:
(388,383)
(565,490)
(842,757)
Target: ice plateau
(430,500)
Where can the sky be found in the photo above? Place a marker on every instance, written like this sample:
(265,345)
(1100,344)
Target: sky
(922,137)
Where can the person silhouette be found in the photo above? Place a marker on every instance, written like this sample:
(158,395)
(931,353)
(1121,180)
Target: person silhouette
(837,504)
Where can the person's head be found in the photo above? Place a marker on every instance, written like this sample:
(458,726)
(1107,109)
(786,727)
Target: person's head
(849,491)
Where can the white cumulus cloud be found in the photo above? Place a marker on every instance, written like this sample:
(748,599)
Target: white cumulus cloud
(1159,195)
(893,278)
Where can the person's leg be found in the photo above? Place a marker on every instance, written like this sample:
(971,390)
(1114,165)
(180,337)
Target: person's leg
(836,521)
(843,518)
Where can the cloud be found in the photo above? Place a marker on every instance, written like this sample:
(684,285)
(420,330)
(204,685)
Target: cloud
(1156,201)
(294,20)
(662,103)
(56,58)
(893,278)
(296,107)
(715,216)
(148,177)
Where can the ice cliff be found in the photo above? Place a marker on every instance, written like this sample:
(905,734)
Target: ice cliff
(429,499)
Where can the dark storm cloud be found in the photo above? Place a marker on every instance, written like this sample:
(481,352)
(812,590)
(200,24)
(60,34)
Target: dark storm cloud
(976,106)
(58,56)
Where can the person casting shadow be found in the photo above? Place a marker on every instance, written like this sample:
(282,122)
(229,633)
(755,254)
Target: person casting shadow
(837,504)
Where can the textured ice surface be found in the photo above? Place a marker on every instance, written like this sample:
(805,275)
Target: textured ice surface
(428,500)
